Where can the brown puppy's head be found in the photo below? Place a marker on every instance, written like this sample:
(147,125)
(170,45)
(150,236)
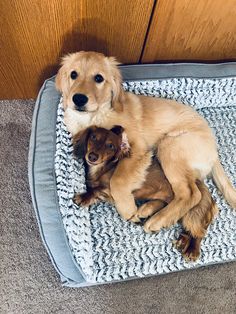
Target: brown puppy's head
(89,81)
(99,145)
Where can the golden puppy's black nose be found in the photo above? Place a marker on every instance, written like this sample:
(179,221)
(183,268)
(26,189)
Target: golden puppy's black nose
(79,100)
(92,157)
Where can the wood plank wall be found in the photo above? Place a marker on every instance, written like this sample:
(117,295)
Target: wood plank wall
(34,34)
(192,30)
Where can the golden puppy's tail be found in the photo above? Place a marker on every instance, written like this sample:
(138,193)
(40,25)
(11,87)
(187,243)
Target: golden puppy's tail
(223,183)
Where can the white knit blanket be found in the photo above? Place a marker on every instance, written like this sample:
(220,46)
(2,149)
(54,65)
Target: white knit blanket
(107,248)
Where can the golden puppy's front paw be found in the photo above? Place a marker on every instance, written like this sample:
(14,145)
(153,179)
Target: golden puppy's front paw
(152,225)
(146,210)
(158,221)
(138,219)
(147,228)
(125,204)
(128,215)
(135,219)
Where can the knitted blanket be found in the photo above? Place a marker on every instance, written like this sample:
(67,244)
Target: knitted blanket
(105,247)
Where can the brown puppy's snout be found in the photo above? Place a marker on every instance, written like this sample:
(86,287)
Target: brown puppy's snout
(93,157)
(79,100)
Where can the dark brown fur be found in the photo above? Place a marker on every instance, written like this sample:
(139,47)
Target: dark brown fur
(156,189)
(98,174)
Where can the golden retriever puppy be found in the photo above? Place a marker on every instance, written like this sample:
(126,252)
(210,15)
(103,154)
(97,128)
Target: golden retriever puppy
(91,86)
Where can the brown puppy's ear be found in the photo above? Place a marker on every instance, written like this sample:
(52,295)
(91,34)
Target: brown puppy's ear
(124,149)
(80,143)
(125,146)
(117,90)
(117,129)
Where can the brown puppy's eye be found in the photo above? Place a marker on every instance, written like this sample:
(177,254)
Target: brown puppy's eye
(74,75)
(98,78)
(110,146)
(93,137)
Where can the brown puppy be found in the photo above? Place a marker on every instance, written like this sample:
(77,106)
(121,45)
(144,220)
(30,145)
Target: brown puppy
(102,149)
(92,93)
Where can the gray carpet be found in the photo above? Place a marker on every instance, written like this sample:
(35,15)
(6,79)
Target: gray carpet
(28,282)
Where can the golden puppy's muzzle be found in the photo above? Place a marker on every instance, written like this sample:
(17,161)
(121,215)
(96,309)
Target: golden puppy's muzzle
(80,100)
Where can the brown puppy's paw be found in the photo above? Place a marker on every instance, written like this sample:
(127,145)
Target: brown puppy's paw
(85,199)
(188,246)
(182,243)
(192,254)
(77,199)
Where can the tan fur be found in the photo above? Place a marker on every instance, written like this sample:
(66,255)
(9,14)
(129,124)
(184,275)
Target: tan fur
(186,145)
(155,190)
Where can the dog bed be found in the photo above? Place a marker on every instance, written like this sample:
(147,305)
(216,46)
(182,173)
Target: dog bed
(93,246)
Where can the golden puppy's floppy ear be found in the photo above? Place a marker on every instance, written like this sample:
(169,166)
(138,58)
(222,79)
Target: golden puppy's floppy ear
(62,77)
(116,82)
(59,79)
(80,143)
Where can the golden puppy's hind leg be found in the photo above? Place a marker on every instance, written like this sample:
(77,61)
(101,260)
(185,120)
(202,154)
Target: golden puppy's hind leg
(195,223)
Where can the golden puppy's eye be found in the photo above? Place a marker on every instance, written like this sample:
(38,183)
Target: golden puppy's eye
(98,78)
(74,75)
(93,137)
(110,146)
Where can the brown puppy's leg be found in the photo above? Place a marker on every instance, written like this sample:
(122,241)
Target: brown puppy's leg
(156,189)
(145,194)
(92,196)
(196,222)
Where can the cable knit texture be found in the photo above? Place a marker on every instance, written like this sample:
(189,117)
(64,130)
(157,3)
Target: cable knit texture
(107,248)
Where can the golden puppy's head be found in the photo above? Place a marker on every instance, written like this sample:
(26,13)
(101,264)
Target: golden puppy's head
(89,81)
